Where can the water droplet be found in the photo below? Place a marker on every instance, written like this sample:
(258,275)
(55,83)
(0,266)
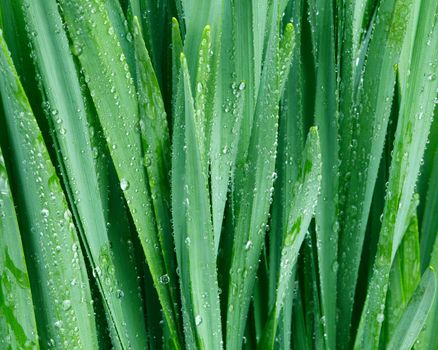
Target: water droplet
(124,184)
(380,317)
(242,86)
(120,294)
(248,245)
(198,320)
(164,279)
(45,212)
(66,304)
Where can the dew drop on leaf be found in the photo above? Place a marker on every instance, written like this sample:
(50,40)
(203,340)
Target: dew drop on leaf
(124,184)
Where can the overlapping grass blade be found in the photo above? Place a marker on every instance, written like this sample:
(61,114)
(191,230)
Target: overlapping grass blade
(196,16)
(113,92)
(249,23)
(227,120)
(179,210)
(58,277)
(156,148)
(290,149)
(17,322)
(199,230)
(153,20)
(415,315)
(371,112)
(415,119)
(327,224)
(255,186)
(427,338)
(304,199)
(429,224)
(404,278)
(121,29)
(66,111)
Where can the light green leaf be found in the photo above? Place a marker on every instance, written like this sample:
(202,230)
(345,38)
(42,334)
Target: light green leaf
(415,315)
(114,95)
(68,115)
(415,117)
(254,184)
(199,231)
(371,112)
(58,277)
(304,200)
(17,319)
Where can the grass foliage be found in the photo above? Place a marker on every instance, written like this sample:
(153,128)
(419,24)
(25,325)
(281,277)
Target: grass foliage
(184,174)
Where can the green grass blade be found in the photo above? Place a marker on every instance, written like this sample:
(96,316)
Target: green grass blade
(429,225)
(415,314)
(196,16)
(124,36)
(249,23)
(204,94)
(371,113)
(304,200)
(64,99)
(177,48)
(427,338)
(415,119)
(113,92)
(200,239)
(255,185)
(17,319)
(153,16)
(179,210)
(156,148)
(291,140)
(58,277)
(326,220)
(226,124)
(404,278)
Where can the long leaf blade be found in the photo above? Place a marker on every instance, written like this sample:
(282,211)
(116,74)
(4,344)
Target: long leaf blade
(17,324)
(58,276)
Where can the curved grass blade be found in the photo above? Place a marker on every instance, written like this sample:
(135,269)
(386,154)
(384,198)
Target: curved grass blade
(113,92)
(415,119)
(254,185)
(66,111)
(415,315)
(58,276)
(17,319)
(304,200)
(371,111)
(199,230)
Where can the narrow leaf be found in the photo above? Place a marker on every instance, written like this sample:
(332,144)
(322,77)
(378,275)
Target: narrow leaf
(58,277)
